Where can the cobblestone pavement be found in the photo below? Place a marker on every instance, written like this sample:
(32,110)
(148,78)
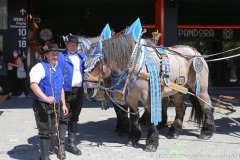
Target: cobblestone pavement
(97,140)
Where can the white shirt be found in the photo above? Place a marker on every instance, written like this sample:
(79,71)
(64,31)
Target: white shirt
(77,77)
(37,73)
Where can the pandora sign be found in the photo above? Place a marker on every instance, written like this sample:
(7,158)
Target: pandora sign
(196,33)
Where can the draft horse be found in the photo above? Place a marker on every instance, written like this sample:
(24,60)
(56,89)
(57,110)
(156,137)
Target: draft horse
(116,57)
(122,124)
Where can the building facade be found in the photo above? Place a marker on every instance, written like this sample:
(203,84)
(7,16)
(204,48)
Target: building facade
(210,26)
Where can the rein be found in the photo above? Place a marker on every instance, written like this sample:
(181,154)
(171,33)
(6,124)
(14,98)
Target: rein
(203,56)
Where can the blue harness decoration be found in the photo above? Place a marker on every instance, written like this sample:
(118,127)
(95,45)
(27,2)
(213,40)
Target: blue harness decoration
(198,67)
(160,50)
(119,82)
(155,88)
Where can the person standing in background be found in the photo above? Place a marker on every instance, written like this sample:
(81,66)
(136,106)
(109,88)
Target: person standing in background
(71,61)
(18,63)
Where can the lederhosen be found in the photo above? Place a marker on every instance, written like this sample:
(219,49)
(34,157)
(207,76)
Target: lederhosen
(44,112)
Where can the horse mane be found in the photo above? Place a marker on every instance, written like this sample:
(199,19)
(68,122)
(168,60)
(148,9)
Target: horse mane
(118,50)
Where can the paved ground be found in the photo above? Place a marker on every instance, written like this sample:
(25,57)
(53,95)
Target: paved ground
(97,140)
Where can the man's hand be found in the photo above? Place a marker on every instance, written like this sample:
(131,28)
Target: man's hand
(50,99)
(65,110)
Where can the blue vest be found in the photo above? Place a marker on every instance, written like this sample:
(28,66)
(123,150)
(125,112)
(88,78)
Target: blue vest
(56,85)
(67,67)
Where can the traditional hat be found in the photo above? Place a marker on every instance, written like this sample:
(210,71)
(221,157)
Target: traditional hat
(72,38)
(50,47)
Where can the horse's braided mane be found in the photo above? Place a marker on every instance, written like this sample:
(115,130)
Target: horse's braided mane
(118,50)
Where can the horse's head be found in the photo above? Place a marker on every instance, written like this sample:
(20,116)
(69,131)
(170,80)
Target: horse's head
(95,73)
(95,70)
(96,67)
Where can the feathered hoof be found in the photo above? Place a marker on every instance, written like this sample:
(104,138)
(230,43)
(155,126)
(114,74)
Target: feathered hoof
(131,144)
(128,144)
(172,135)
(205,136)
(150,148)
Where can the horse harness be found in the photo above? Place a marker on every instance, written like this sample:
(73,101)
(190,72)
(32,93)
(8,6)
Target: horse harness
(121,82)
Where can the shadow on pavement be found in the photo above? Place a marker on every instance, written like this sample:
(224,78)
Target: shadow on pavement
(26,151)
(100,132)
(228,127)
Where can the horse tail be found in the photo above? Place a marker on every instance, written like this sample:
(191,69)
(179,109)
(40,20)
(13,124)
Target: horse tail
(196,112)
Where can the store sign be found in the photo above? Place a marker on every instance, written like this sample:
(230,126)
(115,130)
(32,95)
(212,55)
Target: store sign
(17,29)
(196,33)
(209,34)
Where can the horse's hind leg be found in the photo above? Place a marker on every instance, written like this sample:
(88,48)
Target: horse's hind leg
(135,130)
(208,128)
(152,135)
(176,127)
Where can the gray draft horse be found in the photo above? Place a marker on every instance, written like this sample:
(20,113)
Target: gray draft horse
(115,58)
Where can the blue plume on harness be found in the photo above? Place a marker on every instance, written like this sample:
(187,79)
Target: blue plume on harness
(155,88)
(106,33)
(135,29)
(198,88)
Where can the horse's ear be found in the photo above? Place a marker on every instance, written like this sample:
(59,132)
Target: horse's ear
(106,33)
(135,29)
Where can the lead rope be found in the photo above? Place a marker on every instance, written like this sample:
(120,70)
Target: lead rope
(56,119)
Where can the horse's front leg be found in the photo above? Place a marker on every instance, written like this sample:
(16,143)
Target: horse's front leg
(135,129)
(152,135)
(122,126)
(176,127)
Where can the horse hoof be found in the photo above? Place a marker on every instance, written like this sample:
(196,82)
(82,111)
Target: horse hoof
(204,136)
(172,136)
(150,148)
(129,144)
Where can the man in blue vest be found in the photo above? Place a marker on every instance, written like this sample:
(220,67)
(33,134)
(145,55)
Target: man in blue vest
(71,62)
(46,82)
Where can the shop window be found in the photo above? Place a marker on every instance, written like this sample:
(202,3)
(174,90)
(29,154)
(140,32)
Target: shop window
(199,45)
(3,14)
(232,48)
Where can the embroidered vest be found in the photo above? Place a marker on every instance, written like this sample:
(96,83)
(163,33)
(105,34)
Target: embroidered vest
(56,79)
(67,67)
